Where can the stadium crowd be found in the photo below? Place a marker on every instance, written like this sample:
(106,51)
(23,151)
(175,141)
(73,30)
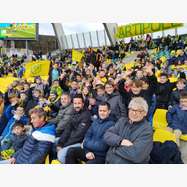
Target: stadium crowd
(98,110)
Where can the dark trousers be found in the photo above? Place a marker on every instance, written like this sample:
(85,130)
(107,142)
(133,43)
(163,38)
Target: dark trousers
(76,154)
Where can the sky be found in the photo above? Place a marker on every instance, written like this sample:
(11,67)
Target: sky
(71,28)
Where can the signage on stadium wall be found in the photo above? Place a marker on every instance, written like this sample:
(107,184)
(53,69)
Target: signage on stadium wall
(135,29)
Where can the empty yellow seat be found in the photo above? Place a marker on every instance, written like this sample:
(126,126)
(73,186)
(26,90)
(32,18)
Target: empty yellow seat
(161,135)
(55,162)
(159,119)
(47,160)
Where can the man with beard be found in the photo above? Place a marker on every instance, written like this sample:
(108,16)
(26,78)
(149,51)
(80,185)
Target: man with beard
(74,133)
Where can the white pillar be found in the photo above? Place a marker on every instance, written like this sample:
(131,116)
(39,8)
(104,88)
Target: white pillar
(111,30)
(59,32)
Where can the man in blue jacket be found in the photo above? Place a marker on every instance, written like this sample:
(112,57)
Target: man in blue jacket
(94,148)
(38,145)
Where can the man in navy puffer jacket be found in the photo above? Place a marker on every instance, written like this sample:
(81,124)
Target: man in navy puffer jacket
(94,148)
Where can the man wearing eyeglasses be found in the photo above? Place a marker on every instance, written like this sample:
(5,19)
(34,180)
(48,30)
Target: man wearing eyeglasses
(131,139)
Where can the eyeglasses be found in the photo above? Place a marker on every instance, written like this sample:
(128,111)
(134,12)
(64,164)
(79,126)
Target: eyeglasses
(135,110)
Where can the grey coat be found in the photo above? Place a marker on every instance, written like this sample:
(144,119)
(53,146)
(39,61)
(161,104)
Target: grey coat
(63,118)
(140,134)
(118,108)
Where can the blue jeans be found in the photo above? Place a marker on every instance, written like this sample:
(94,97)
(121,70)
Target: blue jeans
(62,153)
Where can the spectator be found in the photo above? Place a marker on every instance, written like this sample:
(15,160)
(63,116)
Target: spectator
(175,95)
(37,94)
(118,109)
(94,148)
(163,91)
(74,133)
(63,118)
(18,116)
(74,89)
(55,88)
(37,146)
(8,111)
(177,117)
(16,139)
(55,73)
(130,140)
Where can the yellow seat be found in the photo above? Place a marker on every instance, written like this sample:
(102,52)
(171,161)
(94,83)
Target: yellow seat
(183,137)
(47,160)
(159,119)
(161,135)
(55,162)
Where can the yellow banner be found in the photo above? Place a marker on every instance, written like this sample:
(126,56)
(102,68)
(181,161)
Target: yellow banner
(5,82)
(38,68)
(135,29)
(76,55)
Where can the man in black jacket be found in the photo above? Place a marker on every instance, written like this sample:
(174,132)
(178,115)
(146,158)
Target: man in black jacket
(74,133)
